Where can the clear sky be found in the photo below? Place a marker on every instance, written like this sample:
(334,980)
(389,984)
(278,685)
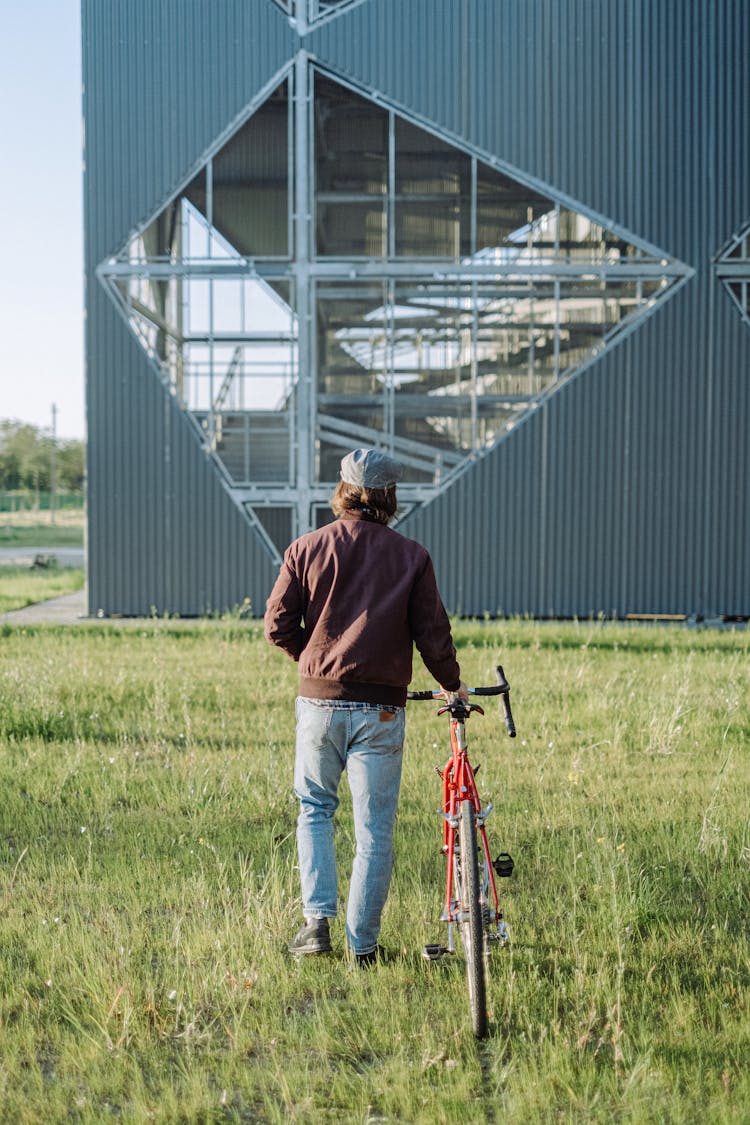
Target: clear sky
(41,200)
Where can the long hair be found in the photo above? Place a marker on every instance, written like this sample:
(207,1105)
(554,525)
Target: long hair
(381,502)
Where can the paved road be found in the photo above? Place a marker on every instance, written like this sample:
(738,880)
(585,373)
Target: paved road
(65,610)
(24,556)
(68,609)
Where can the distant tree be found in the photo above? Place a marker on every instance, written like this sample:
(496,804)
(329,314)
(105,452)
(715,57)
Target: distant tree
(8,466)
(71,458)
(26,459)
(36,468)
(17,442)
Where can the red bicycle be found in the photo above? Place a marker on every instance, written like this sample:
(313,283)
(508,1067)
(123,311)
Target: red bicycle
(471,896)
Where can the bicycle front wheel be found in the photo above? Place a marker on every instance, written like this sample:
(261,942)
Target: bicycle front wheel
(472,923)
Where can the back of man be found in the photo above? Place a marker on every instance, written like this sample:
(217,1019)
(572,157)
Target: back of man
(365,594)
(349,602)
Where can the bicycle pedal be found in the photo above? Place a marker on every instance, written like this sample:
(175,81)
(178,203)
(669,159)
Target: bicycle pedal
(434,952)
(504,865)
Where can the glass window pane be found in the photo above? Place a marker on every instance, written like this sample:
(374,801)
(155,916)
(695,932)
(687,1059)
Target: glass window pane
(506,210)
(195,193)
(253,446)
(351,172)
(250,183)
(578,237)
(741,292)
(351,230)
(433,195)
(161,239)
(351,339)
(351,141)
(323,7)
(432,362)
(740,250)
(430,230)
(277,522)
(322,512)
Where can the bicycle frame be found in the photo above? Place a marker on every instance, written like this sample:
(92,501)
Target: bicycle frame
(471,898)
(458,784)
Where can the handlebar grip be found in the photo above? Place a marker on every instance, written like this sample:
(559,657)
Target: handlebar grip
(509,724)
(504,687)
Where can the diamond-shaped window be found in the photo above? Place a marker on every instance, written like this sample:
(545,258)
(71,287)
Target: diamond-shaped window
(440,298)
(305,13)
(733,267)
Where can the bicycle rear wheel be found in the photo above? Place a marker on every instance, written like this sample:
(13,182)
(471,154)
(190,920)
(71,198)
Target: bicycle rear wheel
(472,923)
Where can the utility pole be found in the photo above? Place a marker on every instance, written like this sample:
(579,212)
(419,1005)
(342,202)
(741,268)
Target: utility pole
(53,467)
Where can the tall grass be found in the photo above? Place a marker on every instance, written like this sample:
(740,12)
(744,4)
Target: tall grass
(149,888)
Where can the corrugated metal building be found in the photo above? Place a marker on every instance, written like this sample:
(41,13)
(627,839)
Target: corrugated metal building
(506,239)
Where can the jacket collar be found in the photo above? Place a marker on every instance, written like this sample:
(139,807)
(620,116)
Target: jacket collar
(359,514)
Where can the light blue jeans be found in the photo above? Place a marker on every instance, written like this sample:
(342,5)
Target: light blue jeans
(333,736)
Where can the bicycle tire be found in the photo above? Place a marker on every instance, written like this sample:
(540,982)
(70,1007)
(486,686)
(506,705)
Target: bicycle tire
(472,922)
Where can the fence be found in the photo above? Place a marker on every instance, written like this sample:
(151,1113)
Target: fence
(27,500)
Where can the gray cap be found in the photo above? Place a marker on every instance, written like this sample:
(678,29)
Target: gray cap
(367,468)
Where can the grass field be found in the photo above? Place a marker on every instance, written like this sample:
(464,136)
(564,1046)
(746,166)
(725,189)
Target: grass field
(149,888)
(36,529)
(23,585)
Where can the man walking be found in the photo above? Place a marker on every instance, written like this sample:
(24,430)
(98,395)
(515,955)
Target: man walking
(349,603)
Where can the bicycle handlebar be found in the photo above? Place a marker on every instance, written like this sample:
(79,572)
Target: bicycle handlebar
(501,688)
(504,686)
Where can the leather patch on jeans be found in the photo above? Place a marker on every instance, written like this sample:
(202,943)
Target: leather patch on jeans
(387,716)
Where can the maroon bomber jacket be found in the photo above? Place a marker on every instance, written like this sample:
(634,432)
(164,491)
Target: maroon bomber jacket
(349,602)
